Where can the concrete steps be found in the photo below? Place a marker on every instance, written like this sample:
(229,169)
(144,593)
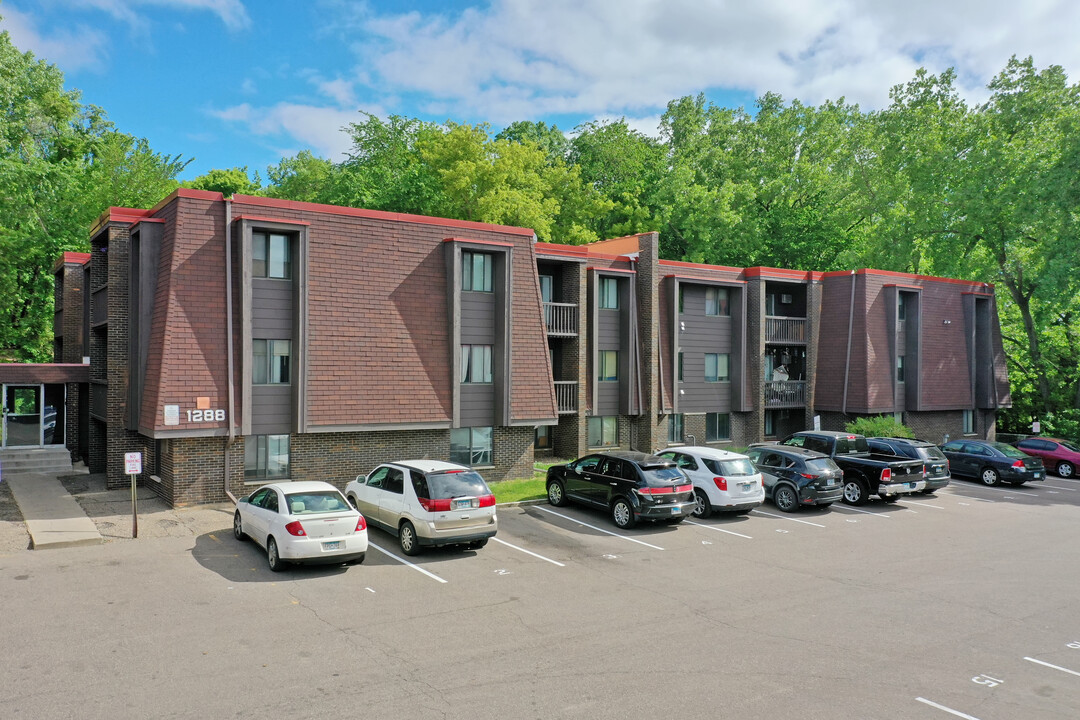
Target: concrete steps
(48,460)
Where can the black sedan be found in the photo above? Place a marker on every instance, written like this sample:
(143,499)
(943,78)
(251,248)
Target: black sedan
(795,476)
(631,486)
(992,462)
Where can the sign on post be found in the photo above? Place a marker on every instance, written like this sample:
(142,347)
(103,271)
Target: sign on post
(133,467)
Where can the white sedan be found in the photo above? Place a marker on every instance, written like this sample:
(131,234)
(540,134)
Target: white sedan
(302,522)
(723,480)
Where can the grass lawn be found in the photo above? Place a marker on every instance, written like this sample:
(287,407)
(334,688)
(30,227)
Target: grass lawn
(533,488)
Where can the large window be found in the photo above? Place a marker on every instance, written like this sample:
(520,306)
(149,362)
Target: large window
(717,427)
(476,271)
(543,437)
(266,456)
(475,363)
(717,367)
(675,428)
(604,431)
(901,306)
(271,256)
(608,365)
(270,363)
(716,302)
(609,293)
(471,446)
(969,422)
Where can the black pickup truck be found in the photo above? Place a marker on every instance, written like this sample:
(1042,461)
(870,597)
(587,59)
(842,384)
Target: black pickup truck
(865,473)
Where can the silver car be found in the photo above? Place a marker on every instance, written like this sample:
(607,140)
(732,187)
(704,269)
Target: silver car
(426,502)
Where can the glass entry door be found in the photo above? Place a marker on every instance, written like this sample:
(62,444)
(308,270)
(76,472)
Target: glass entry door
(23,416)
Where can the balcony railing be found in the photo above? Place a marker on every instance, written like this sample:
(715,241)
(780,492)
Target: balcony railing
(561,319)
(566,396)
(785,393)
(785,329)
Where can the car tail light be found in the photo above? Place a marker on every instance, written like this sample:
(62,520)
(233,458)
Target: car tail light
(295,528)
(487,501)
(925,471)
(434,505)
(361,524)
(886,475)
(809,476)
(683,488)
(721,483)
(656,490)
(1018,463)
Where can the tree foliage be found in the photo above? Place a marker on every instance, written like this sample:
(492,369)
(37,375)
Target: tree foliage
(879,426)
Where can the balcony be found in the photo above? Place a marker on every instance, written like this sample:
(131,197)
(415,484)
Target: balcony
(566,396)
(785,394)
(785,329)
(561,319)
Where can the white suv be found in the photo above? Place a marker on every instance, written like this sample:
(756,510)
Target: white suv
(722,480)
(426,502)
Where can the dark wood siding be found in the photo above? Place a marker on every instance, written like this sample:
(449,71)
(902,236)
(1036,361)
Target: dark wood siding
(477,405)
(700,334)
(271,309)
(271,409)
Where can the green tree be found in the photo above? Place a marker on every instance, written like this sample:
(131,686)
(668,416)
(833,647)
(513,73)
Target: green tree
(550,139)
(302,177)
(228,182)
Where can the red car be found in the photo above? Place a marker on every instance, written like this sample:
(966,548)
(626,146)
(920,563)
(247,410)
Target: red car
(1061,456)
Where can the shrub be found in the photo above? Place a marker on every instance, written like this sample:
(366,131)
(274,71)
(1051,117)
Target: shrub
(1064,424)
(878,426)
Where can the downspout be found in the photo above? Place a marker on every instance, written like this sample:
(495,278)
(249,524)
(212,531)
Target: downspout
(847,360)
(229,344)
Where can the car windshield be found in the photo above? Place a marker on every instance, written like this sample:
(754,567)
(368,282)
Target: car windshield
(662,473)
(1068,445)
(318,501)
(822,465)
(851,445)
(456,484)
(930,453)
(729,468)
(1008,450)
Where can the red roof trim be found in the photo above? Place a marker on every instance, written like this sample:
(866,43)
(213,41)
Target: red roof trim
(911,276)
(911,287)
(556,249)
(377,214)
(260,218)
(692,278)
(780,273)
(75,258)
(980,294)
(148,220)
(477,242)
(680,263)
(614,270)
(604,256)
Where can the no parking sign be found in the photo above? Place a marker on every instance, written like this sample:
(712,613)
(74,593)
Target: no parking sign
(133,467)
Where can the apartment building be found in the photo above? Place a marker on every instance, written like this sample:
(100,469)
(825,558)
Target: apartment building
(238,341)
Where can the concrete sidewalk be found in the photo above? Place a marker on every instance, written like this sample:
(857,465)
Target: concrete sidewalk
(53,517)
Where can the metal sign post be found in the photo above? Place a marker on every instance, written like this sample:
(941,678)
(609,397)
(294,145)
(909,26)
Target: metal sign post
(133,467)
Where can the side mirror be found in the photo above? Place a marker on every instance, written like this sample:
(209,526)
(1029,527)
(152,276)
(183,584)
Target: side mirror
(361,479)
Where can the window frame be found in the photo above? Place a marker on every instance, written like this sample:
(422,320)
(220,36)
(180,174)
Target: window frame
(263,239)
(262,446)
(469,361)
(725,376)
(605,423)
(468,271)
(968,420)
(721,301)
(901,370)
(608,291)
(478,454)
(676,427)
(712,422)
(607,360)
(265,376)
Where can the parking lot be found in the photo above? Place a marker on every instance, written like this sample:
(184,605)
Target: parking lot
(961,604)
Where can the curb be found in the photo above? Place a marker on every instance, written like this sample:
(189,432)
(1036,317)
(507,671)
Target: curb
(522,503)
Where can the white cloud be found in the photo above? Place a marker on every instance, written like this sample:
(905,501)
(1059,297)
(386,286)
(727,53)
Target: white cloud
(513,59)
(70,49)
(231,12)
(318,128)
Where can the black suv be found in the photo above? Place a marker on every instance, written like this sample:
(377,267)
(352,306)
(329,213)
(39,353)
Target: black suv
(937,465)
(631,486)
(795,476)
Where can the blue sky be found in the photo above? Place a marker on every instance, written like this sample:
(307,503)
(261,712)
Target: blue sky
(246,82)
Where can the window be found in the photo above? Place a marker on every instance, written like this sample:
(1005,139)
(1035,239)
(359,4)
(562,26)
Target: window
(899,368)
(270,362)
(969,422)
(716,302)
(543,437)
(471,446)
(717,367)
(604,431)
(271,256)
(680,367)
(609,293)
(675,428)
(476,272)
(717,427)
(546,283)
(266,456)
(901,306)
(475,364)
(770,423)
(608,366)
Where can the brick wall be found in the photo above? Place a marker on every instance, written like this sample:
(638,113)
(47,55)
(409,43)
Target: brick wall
(569,437)
(650,429)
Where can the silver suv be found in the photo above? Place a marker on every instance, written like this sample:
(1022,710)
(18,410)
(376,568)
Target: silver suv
(426,502)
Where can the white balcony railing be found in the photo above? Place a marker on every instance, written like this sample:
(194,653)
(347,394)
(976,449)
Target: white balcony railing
(566,396)
(561,319)
(785,329)
(785,393)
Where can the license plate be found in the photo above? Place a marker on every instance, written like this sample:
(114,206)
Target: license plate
(462,504)
(747,486)
(830,481)
(911,485)
(1037,475)
(332,545)
(675,510)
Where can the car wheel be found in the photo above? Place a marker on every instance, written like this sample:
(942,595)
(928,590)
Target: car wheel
(238,527)
(989,477)
(477,544)
(273,559)
(1065,470)
(854,492)
(702,506)
(407,539)
(556,494)
(352,501)
(622,514)
(786,499)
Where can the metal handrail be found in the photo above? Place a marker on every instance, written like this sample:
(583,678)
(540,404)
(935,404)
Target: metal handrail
(561,318)
(566,396)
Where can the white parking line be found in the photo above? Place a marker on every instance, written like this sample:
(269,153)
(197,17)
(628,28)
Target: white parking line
(972,497)
(528,552)
(1059,487)
(804,522)
(957,713)
(433,576)
(713,527)
(864,512)
(912,502)
(593,527)
(1040,662)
